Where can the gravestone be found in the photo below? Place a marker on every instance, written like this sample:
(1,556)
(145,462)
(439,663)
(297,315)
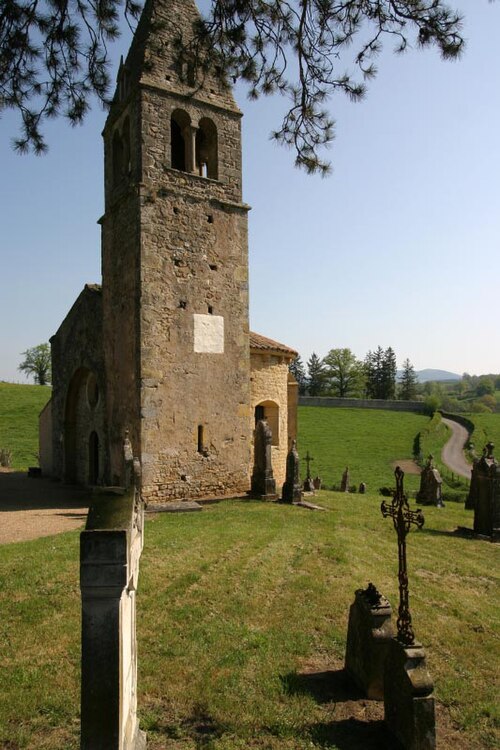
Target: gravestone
(369,633)
(317,483)
(110,549)
(263,484)
(362,488)
(487,502)
(308,482)
(344,484)
(430,492)
(408,702)
(292,492)
(470,503)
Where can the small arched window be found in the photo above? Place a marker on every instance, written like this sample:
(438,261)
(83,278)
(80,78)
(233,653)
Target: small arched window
(206,149)
(270,411)
(179,140)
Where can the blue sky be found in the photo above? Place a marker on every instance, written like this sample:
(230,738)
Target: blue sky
(398,247)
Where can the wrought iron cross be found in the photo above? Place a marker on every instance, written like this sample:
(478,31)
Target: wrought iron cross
(402,518)
(308,460)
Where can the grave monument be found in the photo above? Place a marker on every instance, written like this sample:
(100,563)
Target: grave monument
(263,482)
(486,475)
(344,484)
(292,492)
(430,492)
(408,687)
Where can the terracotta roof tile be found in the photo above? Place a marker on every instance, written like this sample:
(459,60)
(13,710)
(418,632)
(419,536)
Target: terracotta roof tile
(263,344)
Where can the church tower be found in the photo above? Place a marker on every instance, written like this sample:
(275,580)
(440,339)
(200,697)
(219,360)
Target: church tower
(175,269)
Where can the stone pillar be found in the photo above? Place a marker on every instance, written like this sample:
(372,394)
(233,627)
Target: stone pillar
(369,634)
(110,548)
(408,702)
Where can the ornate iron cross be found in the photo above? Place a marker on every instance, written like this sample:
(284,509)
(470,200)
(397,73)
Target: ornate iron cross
(402,518)
(308,460)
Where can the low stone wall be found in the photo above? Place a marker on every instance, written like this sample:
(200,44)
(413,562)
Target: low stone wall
(363,403)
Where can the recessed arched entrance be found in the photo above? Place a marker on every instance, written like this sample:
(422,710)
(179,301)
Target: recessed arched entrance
(269,410)
(82,424)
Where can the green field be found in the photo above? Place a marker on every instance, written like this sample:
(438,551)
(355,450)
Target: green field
(20,406)
(369,441)
(235,604)
(487,428)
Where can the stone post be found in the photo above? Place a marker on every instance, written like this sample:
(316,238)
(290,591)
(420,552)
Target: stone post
(263,483)
(291,492)
(408,701)
(110,548)
(369,633)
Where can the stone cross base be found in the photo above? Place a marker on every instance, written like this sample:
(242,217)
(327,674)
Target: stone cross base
(369,634)
(408,701)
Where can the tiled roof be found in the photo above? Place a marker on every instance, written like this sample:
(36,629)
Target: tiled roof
(263,344)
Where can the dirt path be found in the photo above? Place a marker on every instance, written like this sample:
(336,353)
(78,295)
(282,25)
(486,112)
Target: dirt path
(31,508)
(453,452)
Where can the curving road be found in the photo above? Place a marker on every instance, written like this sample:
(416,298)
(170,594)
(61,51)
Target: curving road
(452,454)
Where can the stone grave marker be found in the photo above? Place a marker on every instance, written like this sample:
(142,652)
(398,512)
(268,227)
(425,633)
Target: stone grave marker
(308,482)
(430,492)
(408,687)
(362,488)
(317,482)
(344,484)
(110,549)
(292,492)
(263,484)
(369,633)
(487,498)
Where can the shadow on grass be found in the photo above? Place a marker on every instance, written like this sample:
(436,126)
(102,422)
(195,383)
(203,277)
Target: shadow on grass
(459,533)
(348,731)
(332,686)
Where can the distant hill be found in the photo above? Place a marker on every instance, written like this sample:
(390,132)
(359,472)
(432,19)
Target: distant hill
(425,375)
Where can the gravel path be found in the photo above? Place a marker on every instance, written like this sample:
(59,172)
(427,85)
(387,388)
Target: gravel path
(453,454)
(31,508)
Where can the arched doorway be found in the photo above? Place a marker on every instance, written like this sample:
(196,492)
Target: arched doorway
(269,410)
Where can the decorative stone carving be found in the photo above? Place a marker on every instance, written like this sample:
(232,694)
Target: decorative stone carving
(263,482)
(292,492)
(369,633)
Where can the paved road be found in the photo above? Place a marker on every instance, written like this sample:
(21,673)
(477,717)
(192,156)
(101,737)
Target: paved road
(452,454)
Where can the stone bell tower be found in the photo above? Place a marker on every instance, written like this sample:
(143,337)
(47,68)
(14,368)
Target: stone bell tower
(175,269)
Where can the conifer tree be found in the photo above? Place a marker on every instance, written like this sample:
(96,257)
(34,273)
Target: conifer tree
(315,376)
(408,382)
(297,369)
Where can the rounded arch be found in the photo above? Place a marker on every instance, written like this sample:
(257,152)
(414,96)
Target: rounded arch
(270,411)
(180,128)
(207,161)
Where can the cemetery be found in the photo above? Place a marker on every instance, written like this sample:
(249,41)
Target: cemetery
(253,623)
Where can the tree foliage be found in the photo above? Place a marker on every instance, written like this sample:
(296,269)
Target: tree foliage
(37,362)
(408,382)
(297,369)
(315,375)
(344,374)
(54,55)
(380,371)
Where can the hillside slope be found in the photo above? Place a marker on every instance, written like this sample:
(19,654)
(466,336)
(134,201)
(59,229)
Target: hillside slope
(20,406)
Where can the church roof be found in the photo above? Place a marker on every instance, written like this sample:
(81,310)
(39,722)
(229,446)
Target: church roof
(263,344)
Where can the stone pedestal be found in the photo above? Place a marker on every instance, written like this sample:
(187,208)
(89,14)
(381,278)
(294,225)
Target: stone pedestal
(369,633)
(110,548)
(408,701)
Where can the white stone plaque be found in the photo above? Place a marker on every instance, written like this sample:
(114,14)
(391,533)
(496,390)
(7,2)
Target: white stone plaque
(209,334)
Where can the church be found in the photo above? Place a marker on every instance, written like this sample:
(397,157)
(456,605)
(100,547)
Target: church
(162,349)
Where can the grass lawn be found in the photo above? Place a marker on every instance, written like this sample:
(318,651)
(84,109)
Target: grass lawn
(487,427)
(235,603)
(20,406)
(366,440)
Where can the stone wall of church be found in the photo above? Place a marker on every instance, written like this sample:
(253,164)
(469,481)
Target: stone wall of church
(78,364)
(269,382)
(195,426)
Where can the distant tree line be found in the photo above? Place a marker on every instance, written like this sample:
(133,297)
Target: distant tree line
(342,375)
